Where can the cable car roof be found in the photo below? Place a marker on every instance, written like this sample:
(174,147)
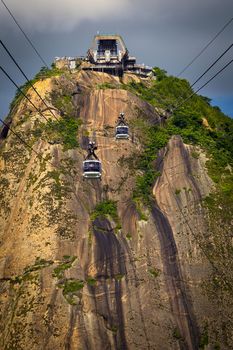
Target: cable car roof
(92,161)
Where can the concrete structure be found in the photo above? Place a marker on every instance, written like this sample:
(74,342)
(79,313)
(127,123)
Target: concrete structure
(109,54)
(68,62)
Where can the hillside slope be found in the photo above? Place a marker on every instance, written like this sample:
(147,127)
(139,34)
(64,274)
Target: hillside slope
(108,264)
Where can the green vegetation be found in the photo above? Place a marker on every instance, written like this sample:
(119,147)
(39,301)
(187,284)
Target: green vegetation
(153,138)
(204,340)
(43,74)
(114,329)
(85,133)
(159,73)
(163,92)
(154,272)
(138,196)
(204,127)
(71,288)
(63,131)
(176,334)
(28,273)
(108,210)
(62,267)
(91,281)
(177,191)
(105,86)
(63,102)
(195,154)
(119,277)
(215,135)
(105,209)
(58,186)
(32,178)
(129,236)
(39,264)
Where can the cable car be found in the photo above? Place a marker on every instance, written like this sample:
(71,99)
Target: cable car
(92,169)
(122,132)
(92,165)
(122,129)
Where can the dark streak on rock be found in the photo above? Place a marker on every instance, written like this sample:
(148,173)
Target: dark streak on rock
(108,256)
(181,306)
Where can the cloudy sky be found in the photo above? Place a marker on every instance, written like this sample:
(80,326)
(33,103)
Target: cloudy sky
(164,33)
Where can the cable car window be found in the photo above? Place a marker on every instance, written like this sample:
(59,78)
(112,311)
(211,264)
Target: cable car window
(122,130)
(91,166)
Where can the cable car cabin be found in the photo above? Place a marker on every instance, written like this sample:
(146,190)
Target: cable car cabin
(92,169)
(122,132)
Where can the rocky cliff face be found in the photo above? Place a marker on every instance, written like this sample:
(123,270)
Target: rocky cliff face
(74,277)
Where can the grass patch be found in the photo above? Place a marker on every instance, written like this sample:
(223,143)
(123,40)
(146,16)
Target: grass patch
(177,191)
(154,272)
(129,236)
(137,202)
(63,102)
(118,277)
(106,86)
(63,131)
(176,334)
(195,154)
(105,209)
(114,329)
(91,281)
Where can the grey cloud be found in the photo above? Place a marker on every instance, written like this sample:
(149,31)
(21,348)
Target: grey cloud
(59,15)
(165,33)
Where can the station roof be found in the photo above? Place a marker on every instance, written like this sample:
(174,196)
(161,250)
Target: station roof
(116,37)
